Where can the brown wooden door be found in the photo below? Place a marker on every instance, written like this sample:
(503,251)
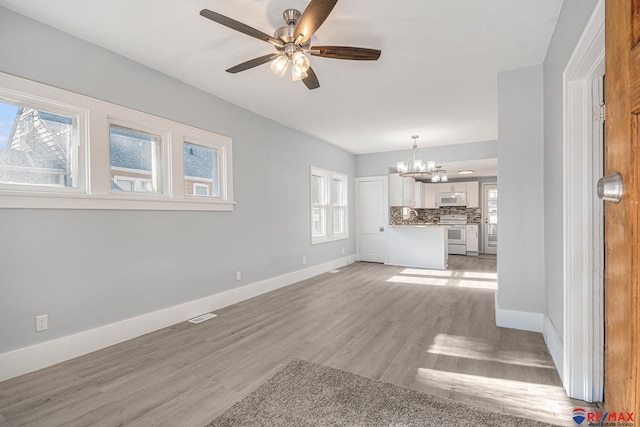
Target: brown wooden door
(622,88)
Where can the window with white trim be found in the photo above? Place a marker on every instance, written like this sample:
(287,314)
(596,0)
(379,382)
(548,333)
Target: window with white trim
(201,169)
(63,150)
(329,216)
(135,158)
(40,145)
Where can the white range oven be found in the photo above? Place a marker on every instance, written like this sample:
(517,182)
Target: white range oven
(456,233)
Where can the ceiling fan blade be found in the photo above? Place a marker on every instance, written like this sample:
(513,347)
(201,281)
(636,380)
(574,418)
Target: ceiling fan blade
(311,81)
(312,17)
(346,52)
(239,26)
(252,63)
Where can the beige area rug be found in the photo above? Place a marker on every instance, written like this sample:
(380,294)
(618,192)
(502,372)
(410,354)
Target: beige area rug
(307,394)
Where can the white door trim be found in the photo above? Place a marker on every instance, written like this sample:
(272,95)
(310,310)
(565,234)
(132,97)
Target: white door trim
(485,226)
(385,216)
(583,350)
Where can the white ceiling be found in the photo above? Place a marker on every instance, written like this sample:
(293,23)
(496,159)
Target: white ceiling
(436,77)
(479,168)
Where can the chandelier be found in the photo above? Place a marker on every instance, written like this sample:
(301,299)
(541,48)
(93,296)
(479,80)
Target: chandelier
(439,175)
(415,168)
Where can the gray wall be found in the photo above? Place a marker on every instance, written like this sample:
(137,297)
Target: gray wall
(377,164)
(573,19)
(520,182)
(88,268)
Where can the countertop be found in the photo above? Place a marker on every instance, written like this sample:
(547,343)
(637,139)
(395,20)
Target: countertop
(415,225)
(430,224)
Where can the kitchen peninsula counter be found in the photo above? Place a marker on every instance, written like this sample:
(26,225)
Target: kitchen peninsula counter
(418,245)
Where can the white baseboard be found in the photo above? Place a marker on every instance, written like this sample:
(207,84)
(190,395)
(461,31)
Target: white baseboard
(554,345)
(32,358)
(524,320)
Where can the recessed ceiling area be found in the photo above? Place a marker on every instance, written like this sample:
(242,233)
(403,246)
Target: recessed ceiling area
(479,168)
(436,76)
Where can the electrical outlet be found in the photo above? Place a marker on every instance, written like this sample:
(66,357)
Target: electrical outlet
(238,276)
(304,260)
(42,322)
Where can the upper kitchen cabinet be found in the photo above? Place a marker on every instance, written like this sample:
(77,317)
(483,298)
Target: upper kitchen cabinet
(401,191)
(473,199)
(430,196)
(469,187)
(452,187)
(418,195)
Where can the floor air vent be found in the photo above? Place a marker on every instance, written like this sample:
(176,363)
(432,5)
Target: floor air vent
(202,318)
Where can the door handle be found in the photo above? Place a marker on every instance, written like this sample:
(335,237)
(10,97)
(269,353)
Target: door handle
(382,229)
(611,188)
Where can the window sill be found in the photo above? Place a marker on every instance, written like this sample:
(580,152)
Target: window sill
(316,241)
(70,201)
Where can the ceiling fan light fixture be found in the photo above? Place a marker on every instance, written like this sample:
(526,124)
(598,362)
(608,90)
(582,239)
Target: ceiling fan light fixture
(300,62)
(279,65)
(297,74)
(293,40)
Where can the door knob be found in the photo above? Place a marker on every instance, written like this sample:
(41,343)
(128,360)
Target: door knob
(611,187)
(382,229)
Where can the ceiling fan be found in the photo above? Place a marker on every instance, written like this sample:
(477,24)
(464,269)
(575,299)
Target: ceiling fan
(293,41)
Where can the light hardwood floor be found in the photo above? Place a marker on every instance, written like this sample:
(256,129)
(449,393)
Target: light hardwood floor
(428,330)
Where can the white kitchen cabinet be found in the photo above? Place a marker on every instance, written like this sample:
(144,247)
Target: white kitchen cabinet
(430,196)
(452,187)
(405,191)
(401,190)
(472,239)
(473,199)
(418,195)
(458,187)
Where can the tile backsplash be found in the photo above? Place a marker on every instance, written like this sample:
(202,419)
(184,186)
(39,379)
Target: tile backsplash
(430,216)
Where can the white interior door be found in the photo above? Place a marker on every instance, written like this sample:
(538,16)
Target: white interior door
(372,213)
(490,211)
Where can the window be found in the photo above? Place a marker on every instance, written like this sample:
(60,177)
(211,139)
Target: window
(62,150)
(201,170)
(136,160)
(319,206)
(39,146)
(339,205)
(329,217)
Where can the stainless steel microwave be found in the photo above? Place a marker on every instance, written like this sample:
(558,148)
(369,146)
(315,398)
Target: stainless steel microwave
(452,199)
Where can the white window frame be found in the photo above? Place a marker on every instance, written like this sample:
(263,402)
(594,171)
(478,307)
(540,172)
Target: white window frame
(217,144)
(80,118)
(93,191)
(165,138)
(328,177)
